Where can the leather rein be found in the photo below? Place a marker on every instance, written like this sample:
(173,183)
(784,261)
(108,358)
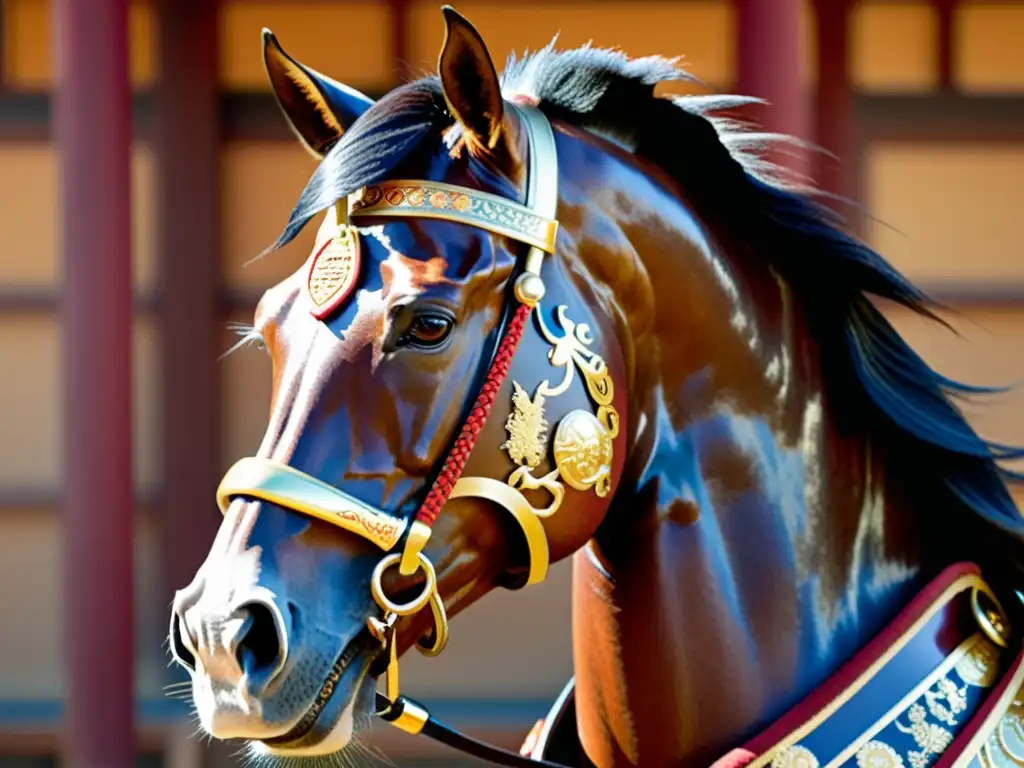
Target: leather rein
(333,275)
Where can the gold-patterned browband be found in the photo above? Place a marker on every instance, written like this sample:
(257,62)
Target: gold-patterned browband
(533,224)
(435,200)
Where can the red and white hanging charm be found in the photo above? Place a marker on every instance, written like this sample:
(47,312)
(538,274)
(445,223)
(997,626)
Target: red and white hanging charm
(334,270)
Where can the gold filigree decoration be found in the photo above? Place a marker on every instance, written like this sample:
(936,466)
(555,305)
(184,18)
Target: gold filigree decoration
(524,481)
(333,272)
(573,346)
(947,701)
(931,739)
(582,445)
(795,757)
(444,201)
(878,754)
(526,427)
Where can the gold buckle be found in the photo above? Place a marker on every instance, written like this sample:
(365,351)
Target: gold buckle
(991,620)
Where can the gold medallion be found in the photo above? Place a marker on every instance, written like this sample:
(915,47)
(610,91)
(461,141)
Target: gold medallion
(583,452)
(878,754)
(334,271)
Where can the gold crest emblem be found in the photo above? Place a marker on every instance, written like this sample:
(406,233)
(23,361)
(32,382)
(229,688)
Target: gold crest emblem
(526,428)
(334,271)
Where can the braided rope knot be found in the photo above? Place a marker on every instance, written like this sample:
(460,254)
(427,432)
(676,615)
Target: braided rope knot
(459,454)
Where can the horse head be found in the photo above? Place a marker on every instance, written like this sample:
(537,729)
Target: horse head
(550,314)
(446,405)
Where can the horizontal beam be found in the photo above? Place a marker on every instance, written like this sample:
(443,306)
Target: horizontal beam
(18,300)
(36,299)
(939,117)
(887,117)
(52,501)
(968,294)
(243,117)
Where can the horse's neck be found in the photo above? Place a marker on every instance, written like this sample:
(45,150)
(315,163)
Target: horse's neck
(755,549)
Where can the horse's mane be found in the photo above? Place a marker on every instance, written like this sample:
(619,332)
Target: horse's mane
(911,409)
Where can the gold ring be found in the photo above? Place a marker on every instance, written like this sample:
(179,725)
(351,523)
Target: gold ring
(992,623)
(440,628)
(413,606)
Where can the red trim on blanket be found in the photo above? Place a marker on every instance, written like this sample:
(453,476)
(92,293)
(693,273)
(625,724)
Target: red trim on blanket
(849,672)
(735,759)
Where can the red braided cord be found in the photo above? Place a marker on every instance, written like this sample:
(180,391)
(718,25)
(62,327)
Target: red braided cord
(456,461)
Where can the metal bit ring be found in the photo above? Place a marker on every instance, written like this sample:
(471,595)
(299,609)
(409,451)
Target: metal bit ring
(413,606)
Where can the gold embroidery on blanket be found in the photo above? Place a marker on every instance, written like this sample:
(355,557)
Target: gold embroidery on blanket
(931,739)
(878,754)
(795,757)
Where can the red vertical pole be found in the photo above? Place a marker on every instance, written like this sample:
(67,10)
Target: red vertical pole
(92,128)
(944,10)
(834,101)
(769,41)
(187,144)
(399,10)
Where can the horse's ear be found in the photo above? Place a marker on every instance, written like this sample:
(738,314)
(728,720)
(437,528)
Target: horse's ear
(470,82)
(318,108)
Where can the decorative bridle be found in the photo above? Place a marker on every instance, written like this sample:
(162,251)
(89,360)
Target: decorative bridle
(582,445)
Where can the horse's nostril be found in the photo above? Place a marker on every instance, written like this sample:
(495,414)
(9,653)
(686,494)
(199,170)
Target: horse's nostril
(260,646)
(179,649)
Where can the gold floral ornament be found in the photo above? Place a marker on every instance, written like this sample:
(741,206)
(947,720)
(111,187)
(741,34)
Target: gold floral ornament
(526,427)
(931,739)
(582,444)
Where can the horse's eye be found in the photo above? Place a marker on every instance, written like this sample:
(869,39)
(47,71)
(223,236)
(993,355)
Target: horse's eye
(428,330)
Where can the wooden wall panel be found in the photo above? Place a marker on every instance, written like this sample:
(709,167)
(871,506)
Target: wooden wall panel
(349,41)
(893,46)
(261,183)
(31,665)
(948,212)
(30,220)
(700,31)
(986,352)
(987,47)
(31,407)
(28,57)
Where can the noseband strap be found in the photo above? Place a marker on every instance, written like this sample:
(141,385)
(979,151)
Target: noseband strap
(269,480)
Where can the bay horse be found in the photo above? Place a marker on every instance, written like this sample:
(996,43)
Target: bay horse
(553,314)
